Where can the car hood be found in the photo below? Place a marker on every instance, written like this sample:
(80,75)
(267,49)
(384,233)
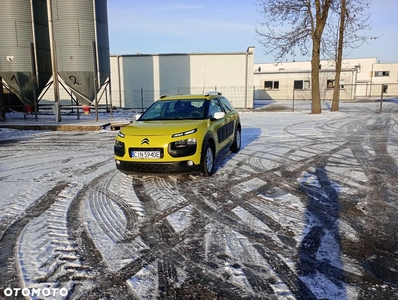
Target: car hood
(168,127)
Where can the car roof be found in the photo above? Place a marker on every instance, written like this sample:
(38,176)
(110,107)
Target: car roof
(205,96)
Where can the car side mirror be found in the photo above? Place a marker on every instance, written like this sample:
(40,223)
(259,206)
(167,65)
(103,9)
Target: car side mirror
(219,115)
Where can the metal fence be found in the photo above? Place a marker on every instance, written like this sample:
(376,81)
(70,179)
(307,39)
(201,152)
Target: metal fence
(242,97)
(365,96)
(140,98)
(347,92)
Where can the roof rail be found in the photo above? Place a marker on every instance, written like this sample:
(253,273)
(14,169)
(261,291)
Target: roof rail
(213,93)
(171,95)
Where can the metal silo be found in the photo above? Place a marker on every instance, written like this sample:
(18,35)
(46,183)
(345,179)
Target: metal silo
(80,35)
(24,47)
(41,43)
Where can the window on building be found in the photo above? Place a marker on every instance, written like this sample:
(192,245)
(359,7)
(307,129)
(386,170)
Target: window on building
(382,73)
(301,84)
(331,83)
(271,85)
(385,88)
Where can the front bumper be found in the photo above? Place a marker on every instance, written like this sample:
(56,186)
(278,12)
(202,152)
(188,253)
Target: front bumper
(182,167)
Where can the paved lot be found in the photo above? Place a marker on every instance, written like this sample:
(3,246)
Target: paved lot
(306,210)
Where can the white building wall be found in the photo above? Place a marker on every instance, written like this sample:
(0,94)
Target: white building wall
(128,75)
(365,66)
(286,80)
(357,79)
(139,80)
(385,78)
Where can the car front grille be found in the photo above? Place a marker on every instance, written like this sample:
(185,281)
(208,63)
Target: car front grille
(146,167)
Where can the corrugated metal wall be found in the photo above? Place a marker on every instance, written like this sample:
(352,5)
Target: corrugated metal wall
(103,40)
(42,43)
(76,25)
(16,36)
(75,28)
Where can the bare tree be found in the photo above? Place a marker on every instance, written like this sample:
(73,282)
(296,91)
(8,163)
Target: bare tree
(354,19)
(295,24)
(339,56)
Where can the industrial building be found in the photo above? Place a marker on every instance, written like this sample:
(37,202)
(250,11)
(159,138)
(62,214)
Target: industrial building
(56,54)
(48,43)
(138,80)
(360,78)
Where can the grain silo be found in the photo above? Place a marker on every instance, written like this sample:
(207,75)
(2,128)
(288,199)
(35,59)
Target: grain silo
(81,43)
(24,47)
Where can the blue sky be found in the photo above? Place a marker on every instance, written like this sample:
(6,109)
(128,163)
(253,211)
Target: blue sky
(154,27)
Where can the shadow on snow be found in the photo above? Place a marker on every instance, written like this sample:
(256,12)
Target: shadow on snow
(320,266)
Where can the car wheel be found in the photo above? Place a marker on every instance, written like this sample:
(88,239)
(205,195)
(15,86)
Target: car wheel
(208,160)
(235,147)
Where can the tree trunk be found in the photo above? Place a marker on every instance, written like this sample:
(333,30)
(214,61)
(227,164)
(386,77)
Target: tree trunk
(339,58)
(321,16)
(316,94)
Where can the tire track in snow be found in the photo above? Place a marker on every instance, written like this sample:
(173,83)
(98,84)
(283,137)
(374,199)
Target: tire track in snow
(206,256)
(9,240)
(370,147)
(106,280)
(173,250)
(166,233)
(261,242)
(46,240)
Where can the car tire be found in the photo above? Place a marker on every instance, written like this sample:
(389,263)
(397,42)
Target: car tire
(235,147)
(208,160)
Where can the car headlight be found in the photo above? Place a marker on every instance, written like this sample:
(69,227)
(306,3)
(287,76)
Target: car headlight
(184,133)
(185,143)
(119,148)
(119,143)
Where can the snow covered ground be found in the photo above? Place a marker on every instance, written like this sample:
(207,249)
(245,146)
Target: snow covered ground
(308,209)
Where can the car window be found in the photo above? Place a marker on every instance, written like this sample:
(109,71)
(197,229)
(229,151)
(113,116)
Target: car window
(175,110)
(214,107)
(155,111)
(227,105)
(188,109)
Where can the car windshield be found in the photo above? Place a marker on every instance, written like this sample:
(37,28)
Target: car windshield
(180,109)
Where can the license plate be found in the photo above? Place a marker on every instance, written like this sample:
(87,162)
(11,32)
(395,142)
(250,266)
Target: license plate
(145,154)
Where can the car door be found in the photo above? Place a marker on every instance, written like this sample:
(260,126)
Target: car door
(222,127)
(230,119)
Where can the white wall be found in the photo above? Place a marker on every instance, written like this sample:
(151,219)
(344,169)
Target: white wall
(138,80)
(389,80)
(143,78)
(233,74)
(358,77)
(286,81)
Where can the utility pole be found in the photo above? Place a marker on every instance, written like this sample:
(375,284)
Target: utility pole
(2,102)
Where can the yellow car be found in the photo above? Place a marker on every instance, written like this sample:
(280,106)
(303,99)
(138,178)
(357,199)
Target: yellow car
(179,133)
